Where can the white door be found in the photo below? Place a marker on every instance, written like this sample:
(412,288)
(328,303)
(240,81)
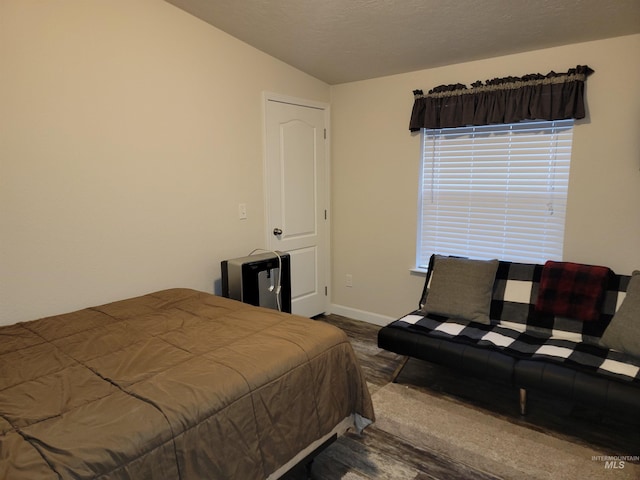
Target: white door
(296,197)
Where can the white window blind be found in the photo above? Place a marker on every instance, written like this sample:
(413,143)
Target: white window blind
(496,191)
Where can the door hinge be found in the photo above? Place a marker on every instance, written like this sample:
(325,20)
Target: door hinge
(325,214)
(325,133)
(325,291)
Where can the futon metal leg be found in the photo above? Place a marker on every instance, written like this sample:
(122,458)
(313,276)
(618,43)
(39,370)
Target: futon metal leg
(399,369)
(307,469)
(523,401)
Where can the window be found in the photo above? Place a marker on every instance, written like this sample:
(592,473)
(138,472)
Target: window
(495,191)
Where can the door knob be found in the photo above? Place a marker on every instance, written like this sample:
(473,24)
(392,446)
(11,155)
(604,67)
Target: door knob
(277,231)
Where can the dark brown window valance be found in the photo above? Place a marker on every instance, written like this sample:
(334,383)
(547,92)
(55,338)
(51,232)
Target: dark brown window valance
(555,96)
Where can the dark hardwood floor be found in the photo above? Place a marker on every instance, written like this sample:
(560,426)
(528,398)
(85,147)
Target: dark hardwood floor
(546,414)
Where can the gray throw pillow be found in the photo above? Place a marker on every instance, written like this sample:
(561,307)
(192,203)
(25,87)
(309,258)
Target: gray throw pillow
(623,332)
(461,288)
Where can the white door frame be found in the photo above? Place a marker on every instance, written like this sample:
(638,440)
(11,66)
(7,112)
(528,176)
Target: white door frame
(268,227)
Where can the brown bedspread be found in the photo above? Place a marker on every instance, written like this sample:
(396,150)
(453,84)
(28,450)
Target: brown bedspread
(177,384)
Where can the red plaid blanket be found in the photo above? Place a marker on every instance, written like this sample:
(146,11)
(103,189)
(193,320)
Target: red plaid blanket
(572,290)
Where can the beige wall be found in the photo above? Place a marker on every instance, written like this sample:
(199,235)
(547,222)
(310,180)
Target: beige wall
(129,133)
(375,168)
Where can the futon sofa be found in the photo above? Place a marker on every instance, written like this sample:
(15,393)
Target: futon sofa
(567,329)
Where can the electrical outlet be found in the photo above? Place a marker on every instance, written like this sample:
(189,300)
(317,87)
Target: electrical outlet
(349,280)
(242,211)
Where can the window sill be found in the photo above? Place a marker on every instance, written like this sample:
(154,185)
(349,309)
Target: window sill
(418,270)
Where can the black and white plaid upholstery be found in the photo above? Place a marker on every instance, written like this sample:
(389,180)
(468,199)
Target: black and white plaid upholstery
(517,330)
(515,294)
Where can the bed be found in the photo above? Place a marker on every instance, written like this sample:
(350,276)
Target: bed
(176,384)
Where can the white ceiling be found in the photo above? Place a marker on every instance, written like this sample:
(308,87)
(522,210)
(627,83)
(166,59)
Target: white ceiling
(341,41)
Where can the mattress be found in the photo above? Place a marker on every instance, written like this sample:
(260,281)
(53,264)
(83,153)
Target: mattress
(177,384)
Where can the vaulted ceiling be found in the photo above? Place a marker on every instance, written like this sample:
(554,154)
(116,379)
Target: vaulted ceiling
(342,41)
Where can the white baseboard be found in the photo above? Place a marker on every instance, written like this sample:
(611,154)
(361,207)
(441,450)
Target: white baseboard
(376,319)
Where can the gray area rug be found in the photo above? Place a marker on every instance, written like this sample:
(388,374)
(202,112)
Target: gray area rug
(487,442)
